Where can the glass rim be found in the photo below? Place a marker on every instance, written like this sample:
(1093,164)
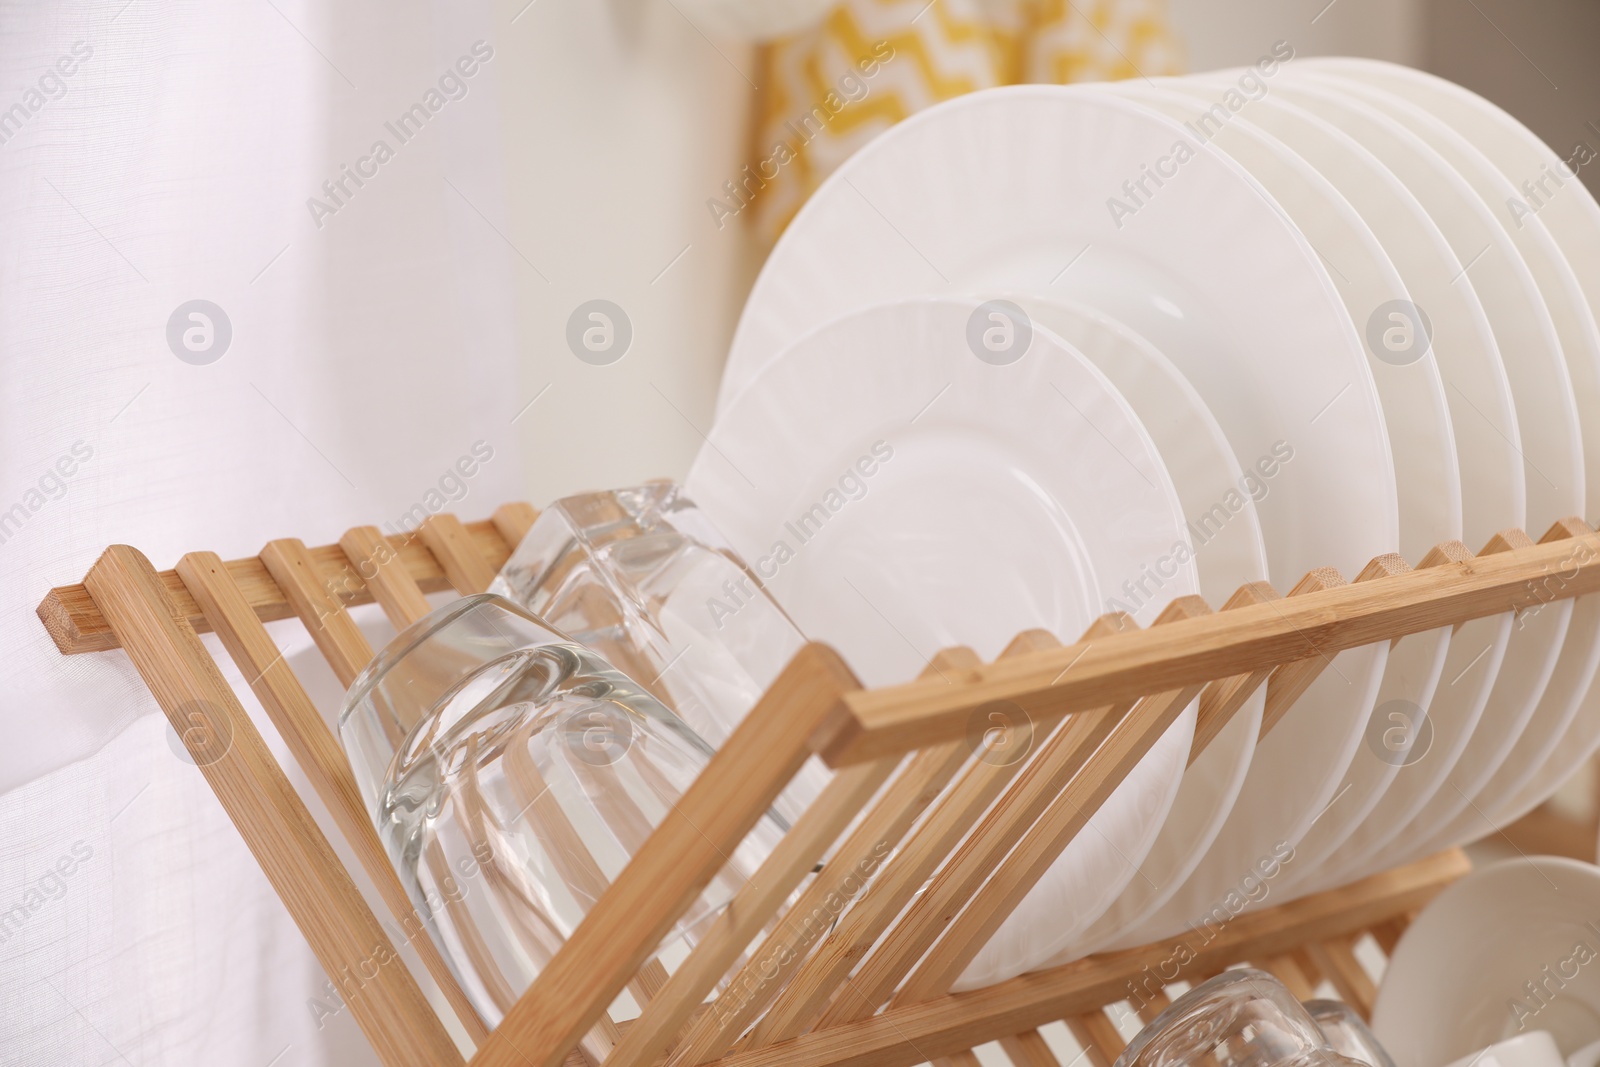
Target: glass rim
(1183,1006)
(407,640)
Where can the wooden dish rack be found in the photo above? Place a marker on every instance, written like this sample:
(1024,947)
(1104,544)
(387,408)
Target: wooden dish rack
(846,976)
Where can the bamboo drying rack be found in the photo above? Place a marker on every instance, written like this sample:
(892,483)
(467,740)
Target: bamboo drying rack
(872,991)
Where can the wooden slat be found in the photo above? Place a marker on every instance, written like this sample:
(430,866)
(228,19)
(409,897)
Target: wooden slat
(296,858)
(903,1037)
(1566,529)
(1036,639)
(967,931)
(338,638)
(796,855)
(319,754)
(513,521)
(1063,754)
(1289,681)
(1152,1004)
(1443,554)
(947,823)
(905,873)
(1307,965)
(1043,841)
(1223,698)
(1387,565)
(381,568)
(1286,969)
(962,1058)
(1098,1037)
(1029,1049)
(76,625)
(1050,683)
(1195,975)
(760,981)
(1388,934)
(1337,961)
(1510,540)
(1418,603)
(680,858)
(453,547)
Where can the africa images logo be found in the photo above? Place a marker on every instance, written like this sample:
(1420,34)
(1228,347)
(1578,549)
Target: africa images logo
(1140,189)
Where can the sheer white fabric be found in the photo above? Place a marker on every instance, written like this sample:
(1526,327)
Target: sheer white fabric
(381,330)
(151,155)
(391,312)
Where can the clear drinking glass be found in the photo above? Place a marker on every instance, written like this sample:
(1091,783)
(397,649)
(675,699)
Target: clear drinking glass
(642,576)
(512,773)
(1347,1032)
(1240,1018)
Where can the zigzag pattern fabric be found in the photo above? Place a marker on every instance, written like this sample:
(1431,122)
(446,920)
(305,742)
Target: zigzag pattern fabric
(826,92)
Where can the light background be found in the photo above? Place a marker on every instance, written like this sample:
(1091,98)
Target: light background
(369,354)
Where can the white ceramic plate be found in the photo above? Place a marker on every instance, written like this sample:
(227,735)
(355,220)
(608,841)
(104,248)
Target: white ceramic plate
(1487,441)
(1547,417)
(1554,197)
(1414,405)
(1009,190)
(1580,346)
(1455,980)
(1225,534)
(1006,190)
(902,495)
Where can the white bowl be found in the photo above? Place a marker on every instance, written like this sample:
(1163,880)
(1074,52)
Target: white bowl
(1510,948)
(1536,1048)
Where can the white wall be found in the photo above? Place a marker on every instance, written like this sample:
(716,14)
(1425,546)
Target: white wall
(1229,33)
(1534,60)
(621,120)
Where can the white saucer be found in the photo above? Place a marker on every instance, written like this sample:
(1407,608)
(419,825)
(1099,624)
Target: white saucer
(1225,533)
(1006,190)
(901,495)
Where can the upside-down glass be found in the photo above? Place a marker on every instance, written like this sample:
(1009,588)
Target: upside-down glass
(643,577)
(512,773)
(1347,1032)
(1240,1018)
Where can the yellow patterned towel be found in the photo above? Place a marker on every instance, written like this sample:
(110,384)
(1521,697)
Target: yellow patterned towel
(825,92)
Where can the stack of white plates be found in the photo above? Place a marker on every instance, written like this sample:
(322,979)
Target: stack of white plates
(1046,352)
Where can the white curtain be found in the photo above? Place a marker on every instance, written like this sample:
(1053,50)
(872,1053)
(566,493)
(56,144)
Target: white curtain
(390,312)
